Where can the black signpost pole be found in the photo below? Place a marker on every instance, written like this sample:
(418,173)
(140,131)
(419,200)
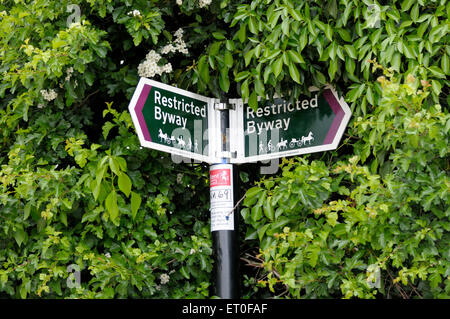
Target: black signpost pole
(225,242)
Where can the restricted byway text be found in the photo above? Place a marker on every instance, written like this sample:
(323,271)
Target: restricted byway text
(269,110)
(166,117)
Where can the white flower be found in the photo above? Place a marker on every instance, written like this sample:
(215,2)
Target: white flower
(179,2)
(49,95)
(167,49)
(179,33)
(178,44)
(204,3)
(167,68)
(164,279)
(149,68)
(192,251)
(107,255)
(134,13)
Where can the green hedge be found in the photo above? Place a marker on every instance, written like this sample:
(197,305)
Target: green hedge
(78,193)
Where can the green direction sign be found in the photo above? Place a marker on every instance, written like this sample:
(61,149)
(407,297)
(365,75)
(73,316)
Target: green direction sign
(176,121)
(173,120)
(278,129)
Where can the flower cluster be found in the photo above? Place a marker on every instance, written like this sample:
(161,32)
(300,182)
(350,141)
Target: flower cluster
(204,3)
(201,3)
(149,68)
(49,95)
(134,13)
(178,45)
(69,72)
(164,279)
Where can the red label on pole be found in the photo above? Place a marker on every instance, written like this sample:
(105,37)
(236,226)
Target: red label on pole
(220,177)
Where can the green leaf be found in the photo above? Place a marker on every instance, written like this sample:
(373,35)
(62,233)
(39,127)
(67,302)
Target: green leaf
(252,192)
(256,213)
(242,75)
(277,66)
(106,128)
(253,100)
(415,12)
(329,32)
(369,95)
(242,33)
(245,90)
(395,62)
(114,165)
(111,205)
(297,16)
(214,48)
(295,56)
(124,184)
(346,14)
(248,56)
(218,36)
(293,71)
(91,215)
(406,4)
(135,203)
(349,64)
(259,87)
(285,27)
(26,211)
(251,234)
(303,39)
(253,25)
(228,59)
(345,35)
(408,51)
(332,68)
(320,77)
(262,231)
(20,236)
(445,64)
(268,209)
(351,51)
(184,272)
(224,82)
(437,72)
(203,69)
(355,93)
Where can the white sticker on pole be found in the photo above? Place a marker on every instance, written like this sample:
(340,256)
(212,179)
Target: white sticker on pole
(222,201)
